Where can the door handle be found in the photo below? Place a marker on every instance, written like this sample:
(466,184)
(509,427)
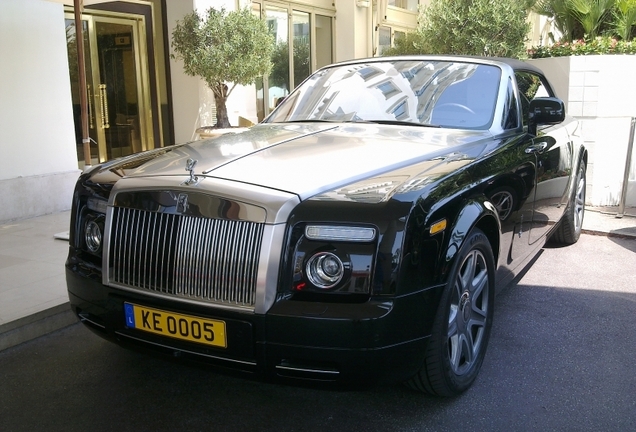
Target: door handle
(537,147)
(104,103)
(91,122)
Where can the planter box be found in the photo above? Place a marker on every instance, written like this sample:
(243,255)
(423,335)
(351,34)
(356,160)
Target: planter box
(600,91)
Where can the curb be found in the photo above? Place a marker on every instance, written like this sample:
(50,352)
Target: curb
(33,326)
(608,234)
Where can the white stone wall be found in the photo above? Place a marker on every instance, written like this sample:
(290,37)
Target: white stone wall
(38,165)
(185,89)
(600,91)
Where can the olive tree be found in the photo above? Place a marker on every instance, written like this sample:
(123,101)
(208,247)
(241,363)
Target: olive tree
(469,27)
(223,48)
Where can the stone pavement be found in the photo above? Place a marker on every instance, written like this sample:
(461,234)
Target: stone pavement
(33,298)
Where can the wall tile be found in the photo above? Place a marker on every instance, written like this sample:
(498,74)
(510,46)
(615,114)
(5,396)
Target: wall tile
(590,109)
(590,94)
(576,109)
(576,94)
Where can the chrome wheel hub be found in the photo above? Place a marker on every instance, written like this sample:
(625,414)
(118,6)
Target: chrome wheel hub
(464,305)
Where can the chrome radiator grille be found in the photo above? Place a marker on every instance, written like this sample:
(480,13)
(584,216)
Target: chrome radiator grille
(209,260)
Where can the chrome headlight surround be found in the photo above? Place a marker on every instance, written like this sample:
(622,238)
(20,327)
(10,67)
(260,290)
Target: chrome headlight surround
(325,270)
(91,230)
(93,234)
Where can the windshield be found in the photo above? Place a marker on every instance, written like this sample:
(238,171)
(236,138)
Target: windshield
(430,93)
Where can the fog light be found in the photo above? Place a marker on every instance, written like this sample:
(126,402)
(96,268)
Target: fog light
(93,236)
(324,270)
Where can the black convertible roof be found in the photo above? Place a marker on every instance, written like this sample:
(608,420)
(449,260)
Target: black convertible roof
(515,64)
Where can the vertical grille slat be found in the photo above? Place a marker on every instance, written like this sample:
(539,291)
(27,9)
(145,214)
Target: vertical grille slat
(166,226)
(205,280)
(125,264)
(209,260)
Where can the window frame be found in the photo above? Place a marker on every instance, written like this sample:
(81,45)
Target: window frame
(543,82)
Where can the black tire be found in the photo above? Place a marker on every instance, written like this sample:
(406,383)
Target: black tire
(503,198)
(461,330)
(569,229)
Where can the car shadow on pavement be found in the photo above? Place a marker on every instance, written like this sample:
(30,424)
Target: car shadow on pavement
(558,359)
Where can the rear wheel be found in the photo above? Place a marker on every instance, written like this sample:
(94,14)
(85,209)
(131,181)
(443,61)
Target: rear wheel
(461,330)
(569,229)
(503,198)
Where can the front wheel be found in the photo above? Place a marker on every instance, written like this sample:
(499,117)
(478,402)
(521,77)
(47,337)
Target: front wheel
(569,229)
(457,346)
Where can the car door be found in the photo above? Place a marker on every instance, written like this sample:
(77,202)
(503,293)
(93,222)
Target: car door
(552,149)
(511,187)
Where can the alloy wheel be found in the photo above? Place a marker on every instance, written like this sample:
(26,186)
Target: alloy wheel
(468,312)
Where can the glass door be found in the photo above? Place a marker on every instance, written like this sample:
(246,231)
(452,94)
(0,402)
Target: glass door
(71,45)
(117,86)
(277,84)
(303,43)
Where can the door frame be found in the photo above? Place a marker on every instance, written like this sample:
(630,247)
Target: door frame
(140,51)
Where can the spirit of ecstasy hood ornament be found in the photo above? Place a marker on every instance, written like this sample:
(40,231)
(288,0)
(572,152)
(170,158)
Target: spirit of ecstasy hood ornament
(190,163)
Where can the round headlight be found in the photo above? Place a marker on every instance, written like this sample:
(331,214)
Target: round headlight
(93,236)
(324,270)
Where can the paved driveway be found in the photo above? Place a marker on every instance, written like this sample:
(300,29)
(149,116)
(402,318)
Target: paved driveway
(561,358)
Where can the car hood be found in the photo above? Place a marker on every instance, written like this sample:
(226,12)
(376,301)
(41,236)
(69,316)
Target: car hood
(308,159)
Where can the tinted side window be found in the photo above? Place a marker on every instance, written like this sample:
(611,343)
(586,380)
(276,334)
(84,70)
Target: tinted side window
(531,86)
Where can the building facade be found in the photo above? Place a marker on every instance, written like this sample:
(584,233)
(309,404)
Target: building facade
(139,98)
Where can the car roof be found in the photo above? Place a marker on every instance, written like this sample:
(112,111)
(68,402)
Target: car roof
(515,64)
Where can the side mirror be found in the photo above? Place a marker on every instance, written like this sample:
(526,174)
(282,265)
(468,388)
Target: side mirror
(545,111)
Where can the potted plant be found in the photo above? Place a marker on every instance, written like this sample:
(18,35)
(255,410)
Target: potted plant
(224,49)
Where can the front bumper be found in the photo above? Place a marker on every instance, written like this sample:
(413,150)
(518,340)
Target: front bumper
(361,342)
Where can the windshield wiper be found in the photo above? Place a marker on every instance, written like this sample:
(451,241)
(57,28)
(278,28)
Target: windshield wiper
(309,121)
(387,122)
(397,123)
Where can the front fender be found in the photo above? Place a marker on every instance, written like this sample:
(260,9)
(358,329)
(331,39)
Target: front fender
(478,212)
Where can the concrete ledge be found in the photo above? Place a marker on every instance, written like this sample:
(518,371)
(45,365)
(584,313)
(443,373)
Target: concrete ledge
(33,326)
(27,197)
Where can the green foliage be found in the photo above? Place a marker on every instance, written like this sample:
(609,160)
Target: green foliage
(223,47)
(599,45)
(468,27)
(592,14)
(410,43)
(562,17)
(475,27)
(624,19)
(587,19)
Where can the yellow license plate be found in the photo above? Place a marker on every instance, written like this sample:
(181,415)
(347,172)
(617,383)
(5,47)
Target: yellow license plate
(183,327)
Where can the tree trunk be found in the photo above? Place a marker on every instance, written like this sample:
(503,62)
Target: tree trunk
(220,98)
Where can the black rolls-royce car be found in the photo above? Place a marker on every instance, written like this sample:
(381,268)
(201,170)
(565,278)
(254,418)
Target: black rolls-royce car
(358,233)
